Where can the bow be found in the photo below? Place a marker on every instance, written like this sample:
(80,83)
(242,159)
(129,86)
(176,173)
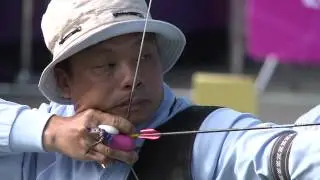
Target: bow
(151,134)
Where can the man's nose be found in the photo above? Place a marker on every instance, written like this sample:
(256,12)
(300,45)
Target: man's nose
(129,71)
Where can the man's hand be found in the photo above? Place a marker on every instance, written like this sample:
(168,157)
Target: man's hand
(70,137)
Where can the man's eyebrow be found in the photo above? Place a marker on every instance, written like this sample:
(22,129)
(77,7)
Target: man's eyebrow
(103,49)
(99,48)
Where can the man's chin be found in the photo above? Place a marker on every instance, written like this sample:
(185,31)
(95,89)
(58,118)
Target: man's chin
(135,117)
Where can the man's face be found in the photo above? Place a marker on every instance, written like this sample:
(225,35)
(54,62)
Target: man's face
(102,76)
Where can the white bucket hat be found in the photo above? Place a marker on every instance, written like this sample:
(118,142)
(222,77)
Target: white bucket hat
(70,26)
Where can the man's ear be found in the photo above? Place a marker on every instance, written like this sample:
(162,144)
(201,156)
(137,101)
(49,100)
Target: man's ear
(63,80)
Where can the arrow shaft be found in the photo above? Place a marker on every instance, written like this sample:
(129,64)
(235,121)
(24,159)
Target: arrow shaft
(231,129)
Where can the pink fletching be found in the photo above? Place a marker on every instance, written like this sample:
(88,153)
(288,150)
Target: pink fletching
(149,131)
(149,136)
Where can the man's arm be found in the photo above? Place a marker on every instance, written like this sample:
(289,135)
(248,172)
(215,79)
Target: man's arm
(247,154)
(26,132)
(21,128)
(21,138)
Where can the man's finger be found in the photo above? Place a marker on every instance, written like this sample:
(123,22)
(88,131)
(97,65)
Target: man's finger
(99,157)
(128,157)
(118,122)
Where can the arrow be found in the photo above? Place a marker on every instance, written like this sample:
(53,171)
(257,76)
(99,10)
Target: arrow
(152,134)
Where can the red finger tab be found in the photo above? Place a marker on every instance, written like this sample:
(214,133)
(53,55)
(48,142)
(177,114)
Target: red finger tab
(121,142)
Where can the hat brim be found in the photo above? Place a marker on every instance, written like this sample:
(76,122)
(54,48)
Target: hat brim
(170,40)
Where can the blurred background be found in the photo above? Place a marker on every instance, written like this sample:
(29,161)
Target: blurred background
(275,44)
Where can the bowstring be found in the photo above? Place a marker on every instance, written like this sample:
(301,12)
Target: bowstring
(138,61)
(137,71)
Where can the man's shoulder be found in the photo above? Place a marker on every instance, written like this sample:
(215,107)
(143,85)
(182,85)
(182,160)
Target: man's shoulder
(311,116)
(224,117)
(208,116)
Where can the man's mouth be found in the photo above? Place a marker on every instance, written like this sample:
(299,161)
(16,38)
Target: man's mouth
(135,104)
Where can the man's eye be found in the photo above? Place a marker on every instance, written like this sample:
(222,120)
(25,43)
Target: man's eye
(111,65)
(146,56)
(104,68)
(108,65)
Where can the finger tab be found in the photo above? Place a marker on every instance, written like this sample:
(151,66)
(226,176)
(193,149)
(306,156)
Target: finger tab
(121,142)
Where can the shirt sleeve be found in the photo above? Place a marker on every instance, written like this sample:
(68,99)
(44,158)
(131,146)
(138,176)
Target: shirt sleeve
(248,154)
(311,116)
(21,127)
(305,152)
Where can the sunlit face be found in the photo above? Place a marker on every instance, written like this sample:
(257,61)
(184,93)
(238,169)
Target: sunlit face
(102,76)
